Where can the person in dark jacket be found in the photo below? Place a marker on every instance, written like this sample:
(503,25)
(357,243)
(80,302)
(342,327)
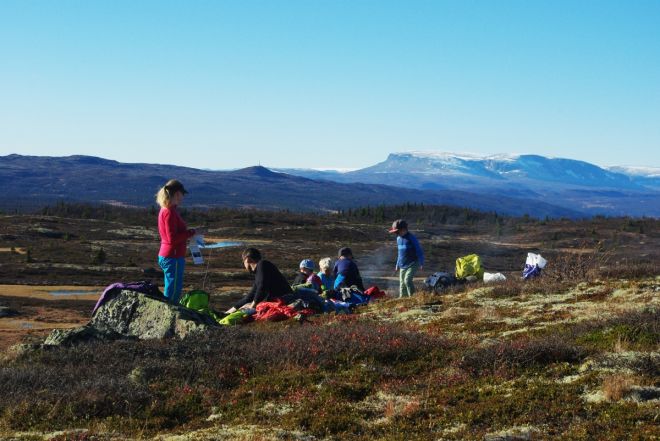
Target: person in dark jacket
(346,271)
(269,283)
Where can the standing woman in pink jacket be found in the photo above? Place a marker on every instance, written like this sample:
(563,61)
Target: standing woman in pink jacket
(173,238)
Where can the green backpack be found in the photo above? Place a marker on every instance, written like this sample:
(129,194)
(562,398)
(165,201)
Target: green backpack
(198,300)
(469,266)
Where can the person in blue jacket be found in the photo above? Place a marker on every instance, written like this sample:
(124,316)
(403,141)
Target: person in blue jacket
(410,257)
(346,271)
(326,275)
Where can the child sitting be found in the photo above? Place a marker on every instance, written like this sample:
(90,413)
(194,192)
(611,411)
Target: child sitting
(326,276)
(307,276)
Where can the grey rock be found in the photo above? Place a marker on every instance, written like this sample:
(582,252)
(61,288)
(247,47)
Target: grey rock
(68,337)
(131,315)
(641,394)
(523,433)
(432,307)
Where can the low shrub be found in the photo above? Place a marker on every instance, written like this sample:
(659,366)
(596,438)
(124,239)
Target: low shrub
(171,382)
(508,288)
(621,337)
(636,330)
(629,269)
(520,354)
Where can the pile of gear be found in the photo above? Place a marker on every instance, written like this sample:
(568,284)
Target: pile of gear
(469,269)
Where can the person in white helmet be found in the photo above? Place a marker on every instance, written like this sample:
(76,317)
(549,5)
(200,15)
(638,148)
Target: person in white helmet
(307,275)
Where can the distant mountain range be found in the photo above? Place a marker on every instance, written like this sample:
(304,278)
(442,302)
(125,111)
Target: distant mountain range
(516,185)
(575,185)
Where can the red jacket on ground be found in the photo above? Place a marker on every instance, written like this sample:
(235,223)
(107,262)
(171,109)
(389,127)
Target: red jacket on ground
(173,233)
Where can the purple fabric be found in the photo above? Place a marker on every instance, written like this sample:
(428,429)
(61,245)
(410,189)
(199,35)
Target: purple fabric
(142,286)
(531,271)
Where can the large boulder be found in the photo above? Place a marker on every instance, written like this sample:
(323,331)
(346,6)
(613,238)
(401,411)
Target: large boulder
(133,315)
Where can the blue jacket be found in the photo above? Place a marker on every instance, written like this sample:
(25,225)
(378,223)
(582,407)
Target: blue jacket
(347,274)
(328,282)
(410,251)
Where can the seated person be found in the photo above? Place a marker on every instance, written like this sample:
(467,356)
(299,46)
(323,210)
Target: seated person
(346,271)
(326,276)
(306,276)
(269,283)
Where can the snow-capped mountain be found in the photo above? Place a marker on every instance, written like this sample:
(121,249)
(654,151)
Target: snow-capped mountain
(566,182)
(648,177)
(528,169)
(646,172)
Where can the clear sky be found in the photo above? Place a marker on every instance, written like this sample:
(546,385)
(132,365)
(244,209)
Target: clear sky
(225,84)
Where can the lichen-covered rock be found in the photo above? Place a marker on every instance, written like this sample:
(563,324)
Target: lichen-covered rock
(68,337)
(521,433)
(130,314)
(18,350)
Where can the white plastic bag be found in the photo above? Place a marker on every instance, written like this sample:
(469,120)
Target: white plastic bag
(536,260)
(494,277)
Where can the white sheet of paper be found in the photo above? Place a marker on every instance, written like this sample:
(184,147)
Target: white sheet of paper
(196,254)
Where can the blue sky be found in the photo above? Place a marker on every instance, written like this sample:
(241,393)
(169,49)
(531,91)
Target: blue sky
(226,84)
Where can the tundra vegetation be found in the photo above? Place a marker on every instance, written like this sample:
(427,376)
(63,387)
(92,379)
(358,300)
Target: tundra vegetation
(573,354)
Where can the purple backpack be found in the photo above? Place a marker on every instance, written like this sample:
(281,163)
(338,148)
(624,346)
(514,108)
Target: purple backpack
(144,287)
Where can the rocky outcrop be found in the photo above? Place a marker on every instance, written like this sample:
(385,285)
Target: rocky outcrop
(131,315)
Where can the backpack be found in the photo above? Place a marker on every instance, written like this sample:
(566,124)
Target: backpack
(439,281)
(530,271)
(469,265)
(198,300)
(533,266)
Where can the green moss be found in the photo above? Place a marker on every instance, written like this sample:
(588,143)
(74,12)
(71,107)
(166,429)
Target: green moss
(633,337)
(616,421)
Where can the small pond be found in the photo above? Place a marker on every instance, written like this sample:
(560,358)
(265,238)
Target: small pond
(224,244)
(73,292)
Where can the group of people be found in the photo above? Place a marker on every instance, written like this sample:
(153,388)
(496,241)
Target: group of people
(269,282)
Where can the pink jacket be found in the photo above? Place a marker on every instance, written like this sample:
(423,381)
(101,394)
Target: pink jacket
(173,233)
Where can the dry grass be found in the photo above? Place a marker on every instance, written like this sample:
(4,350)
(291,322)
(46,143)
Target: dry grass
(622,344)
(17,250)
(617,386)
